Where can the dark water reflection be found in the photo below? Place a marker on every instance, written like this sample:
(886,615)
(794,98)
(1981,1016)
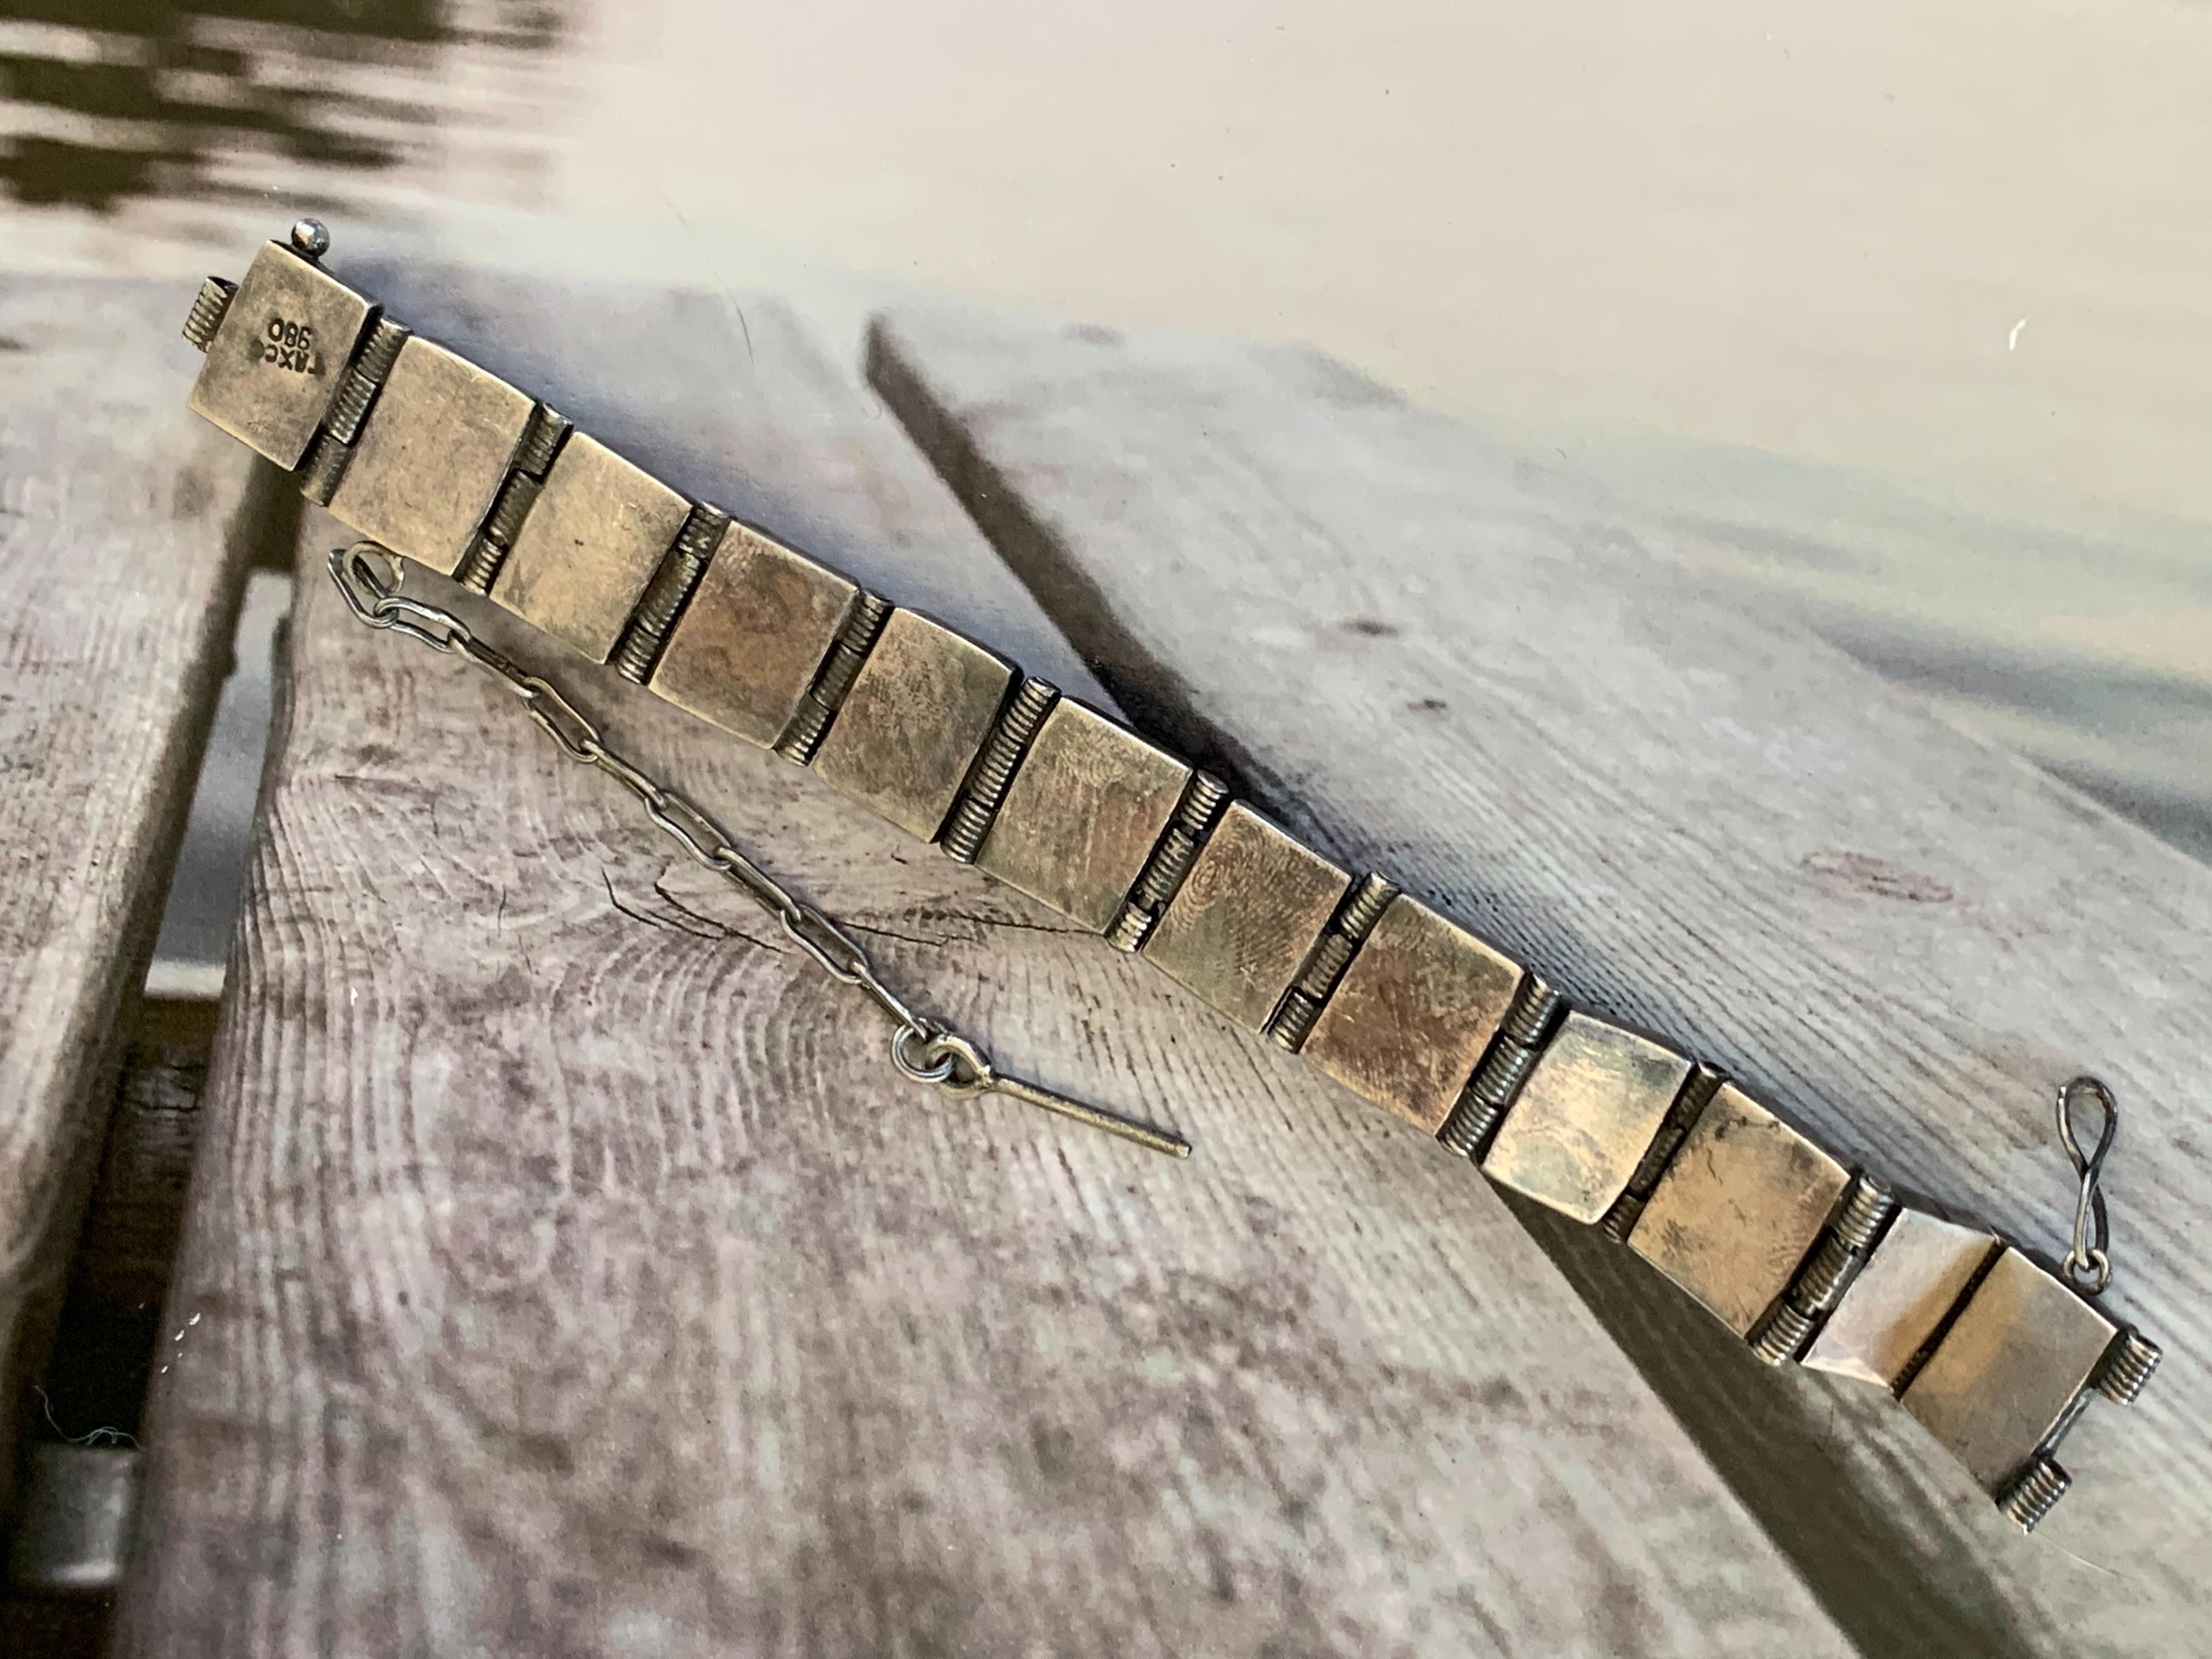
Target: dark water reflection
(109,101)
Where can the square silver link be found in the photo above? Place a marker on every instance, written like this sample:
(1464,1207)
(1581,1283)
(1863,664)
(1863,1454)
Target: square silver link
(750,642)
(1082,815)
(431,456)
(276,359)
(1413,1013)
(1241,926)
(1738,1209)
(2006,1377)
(913,721)
(1580,1125)
(582,558)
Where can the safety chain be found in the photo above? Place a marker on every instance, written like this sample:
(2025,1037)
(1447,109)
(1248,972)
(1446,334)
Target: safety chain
(924,1049)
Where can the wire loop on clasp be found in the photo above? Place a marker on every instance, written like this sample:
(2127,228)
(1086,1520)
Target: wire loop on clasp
(352,569)
(965,1069)
(2089,1264)
(378,601)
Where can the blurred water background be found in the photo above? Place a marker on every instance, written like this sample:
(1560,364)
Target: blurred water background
(1895,317)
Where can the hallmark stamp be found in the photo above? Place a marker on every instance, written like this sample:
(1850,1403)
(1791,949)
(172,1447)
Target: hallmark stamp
(288,345)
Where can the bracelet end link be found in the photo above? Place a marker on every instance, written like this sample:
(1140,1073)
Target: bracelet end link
(278,342)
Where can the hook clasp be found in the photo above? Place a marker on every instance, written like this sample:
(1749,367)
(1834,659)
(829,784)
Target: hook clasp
(2089,1264)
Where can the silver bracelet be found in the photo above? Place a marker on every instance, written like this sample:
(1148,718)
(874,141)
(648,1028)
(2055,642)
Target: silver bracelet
(1992,1349)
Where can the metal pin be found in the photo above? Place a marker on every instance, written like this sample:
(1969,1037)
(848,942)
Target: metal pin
(957,1065)
(2089,1264)
(1143,1134)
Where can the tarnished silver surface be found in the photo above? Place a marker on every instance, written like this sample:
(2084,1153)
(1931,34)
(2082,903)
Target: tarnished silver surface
(1583,1120)
(1682,1117)
(581,560)
(549,430)
(274,361)
(1914,1278)
(431,456)
(2010,1370)
(918,713)
(749,644)
(856,637)
(1738,1209)
(325,464)
(1537,1008)
(1355,919)
(637,653)
(992,773)
(365,379)
(1203,798)
(1413,1013)
(1868,1208)
(1082,815)
(72,1521)
(1239,927)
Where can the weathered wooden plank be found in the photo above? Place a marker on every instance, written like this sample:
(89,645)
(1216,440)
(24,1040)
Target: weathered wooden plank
(1714,826)
(122,554)
(567,1272)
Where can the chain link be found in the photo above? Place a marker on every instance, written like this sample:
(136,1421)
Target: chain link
(923,1048)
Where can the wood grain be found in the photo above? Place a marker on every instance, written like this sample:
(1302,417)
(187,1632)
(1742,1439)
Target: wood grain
(1414,652)
(122,558)
(567,1272)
